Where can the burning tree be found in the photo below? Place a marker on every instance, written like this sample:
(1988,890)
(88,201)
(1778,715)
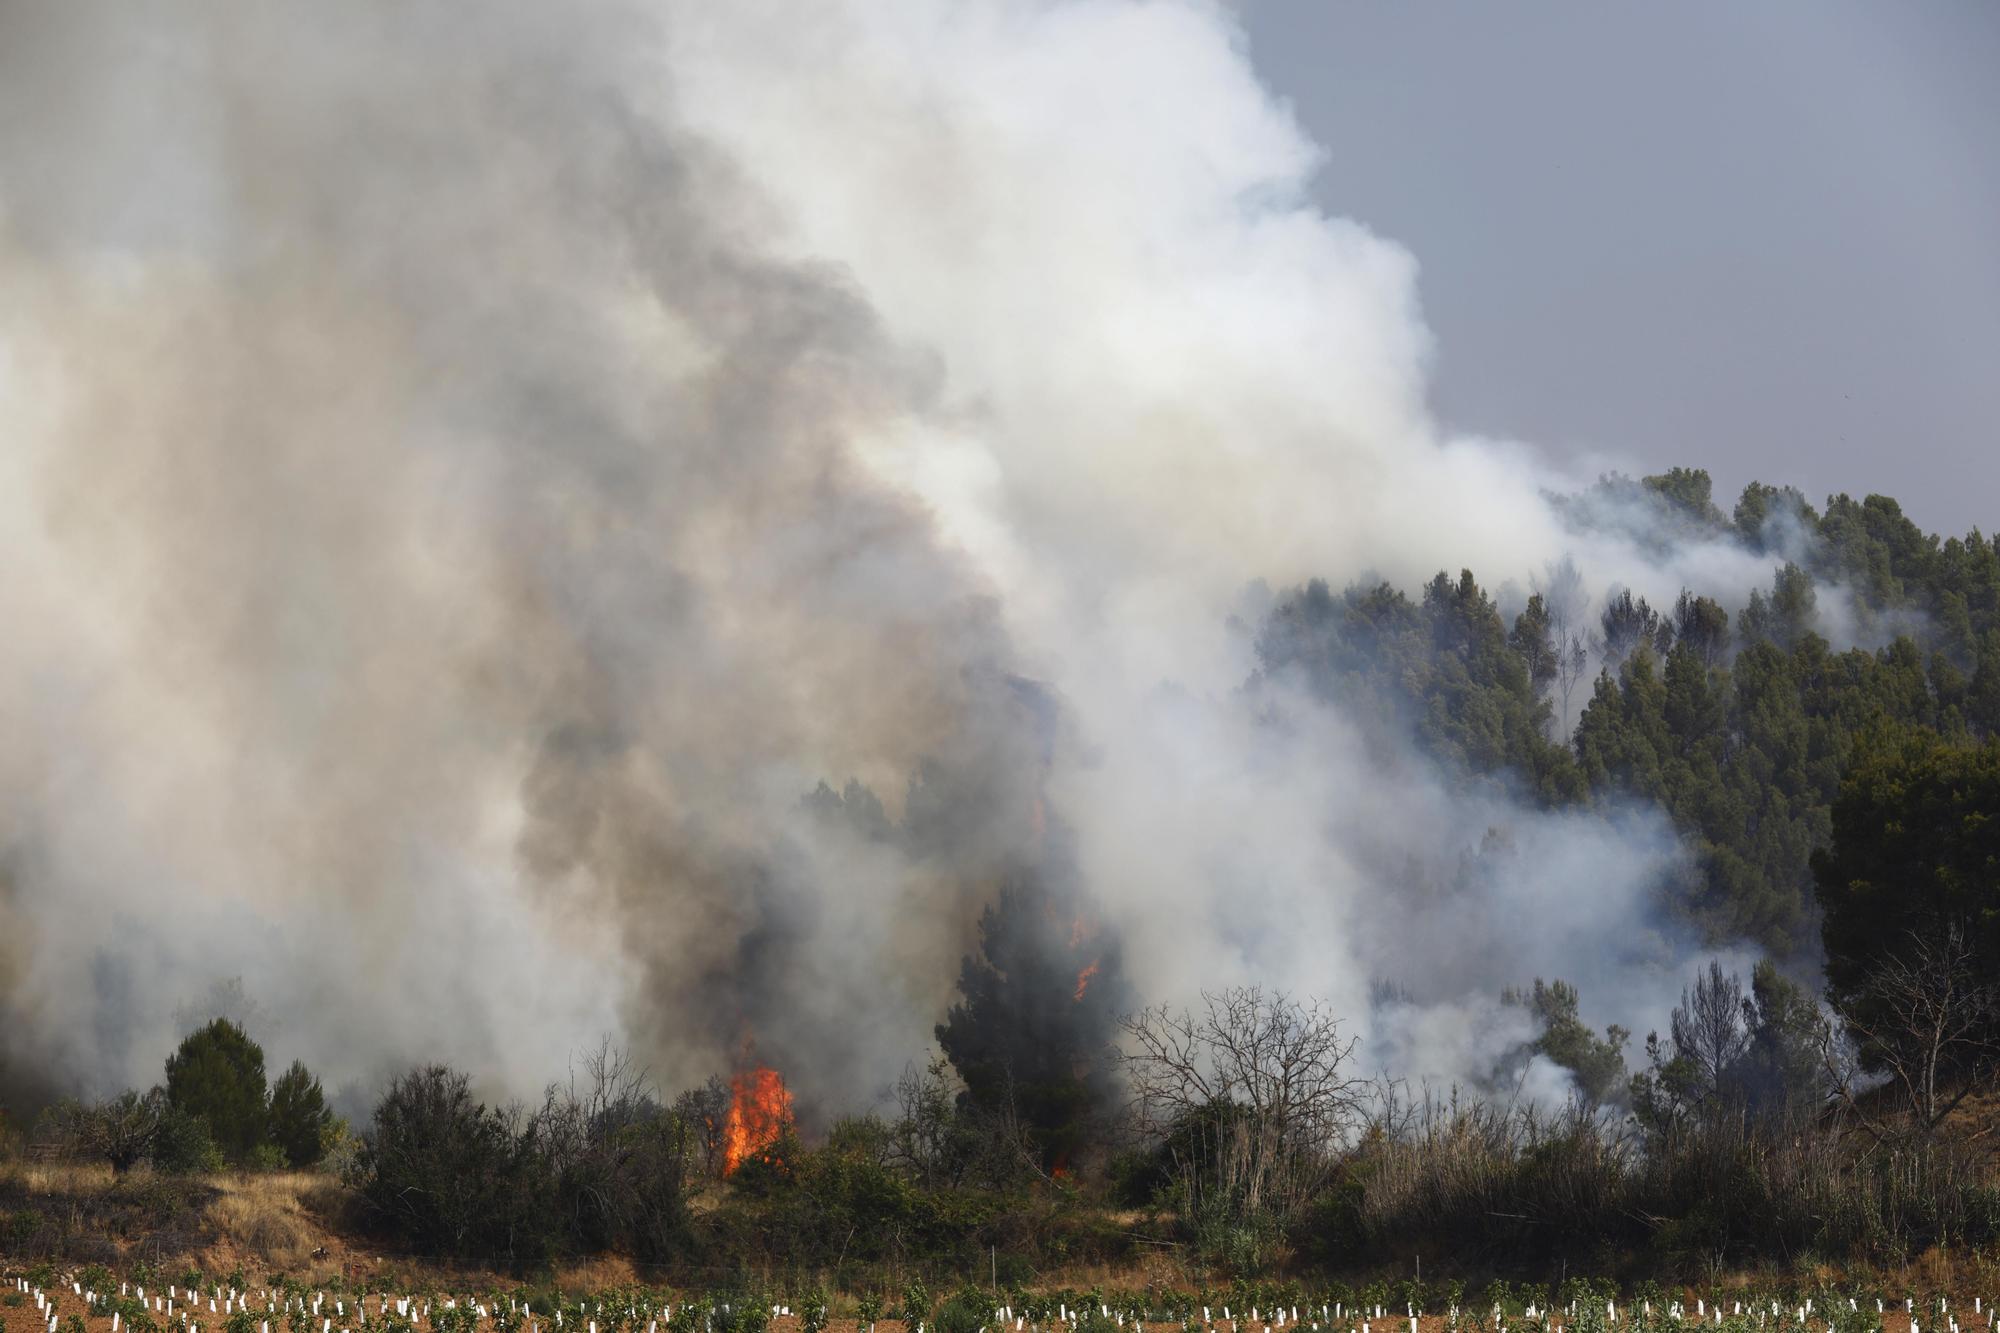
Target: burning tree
(1031,1033)
(759,1117)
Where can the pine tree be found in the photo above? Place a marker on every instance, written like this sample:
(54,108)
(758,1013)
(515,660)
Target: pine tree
(218,1074)
(300,1125)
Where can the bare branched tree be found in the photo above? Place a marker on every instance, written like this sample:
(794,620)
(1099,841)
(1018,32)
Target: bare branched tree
(1711,1033)
(120,1131)
(1007,1141)
(1251,1096)
(1561,588)
(619,1160)
(928,1139)
(1927,1017)
(704,1110)
(614,1087)
(1572,661)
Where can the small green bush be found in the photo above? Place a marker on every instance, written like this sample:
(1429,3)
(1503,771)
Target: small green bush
(690,1316)
(967,1310)
(916,1302)
(752,1314)
(183,1146)
(19,1229)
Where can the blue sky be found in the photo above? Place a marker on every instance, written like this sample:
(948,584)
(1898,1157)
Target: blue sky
(1761,239)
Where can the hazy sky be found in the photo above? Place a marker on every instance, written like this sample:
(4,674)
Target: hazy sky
(1758,238)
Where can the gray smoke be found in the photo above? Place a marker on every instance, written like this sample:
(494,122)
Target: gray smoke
(447,568)
(472,470)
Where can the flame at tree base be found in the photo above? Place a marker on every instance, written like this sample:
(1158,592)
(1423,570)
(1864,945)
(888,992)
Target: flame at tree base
(760,1113)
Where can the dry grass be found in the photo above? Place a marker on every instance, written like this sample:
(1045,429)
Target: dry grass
(284,1221)
(85,1214)
(264,1218)
(41,1180)
(598,1274)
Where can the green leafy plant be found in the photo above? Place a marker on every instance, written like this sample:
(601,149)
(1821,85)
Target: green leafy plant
(748,1313)
(19,1228)
(916,1302)
(691,1316)
(965,1311)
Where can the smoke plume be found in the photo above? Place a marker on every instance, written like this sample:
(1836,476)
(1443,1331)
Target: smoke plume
(472,471)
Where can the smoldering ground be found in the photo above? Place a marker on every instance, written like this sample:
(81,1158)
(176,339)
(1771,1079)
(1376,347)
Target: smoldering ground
(473,470)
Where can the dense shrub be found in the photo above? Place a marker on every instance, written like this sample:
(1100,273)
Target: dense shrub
(966,1310)
(604,1168)
(616,1163)
(1525,1189)
(450,1175)
(121,1131)
(182,1144)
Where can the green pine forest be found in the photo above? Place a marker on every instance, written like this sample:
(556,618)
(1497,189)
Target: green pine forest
(1739,722)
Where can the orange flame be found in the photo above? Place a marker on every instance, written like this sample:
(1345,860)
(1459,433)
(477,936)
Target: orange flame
(1083,979)
(760,1111)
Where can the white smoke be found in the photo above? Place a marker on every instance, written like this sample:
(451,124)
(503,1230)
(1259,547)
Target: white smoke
(1176,375)
(471,469)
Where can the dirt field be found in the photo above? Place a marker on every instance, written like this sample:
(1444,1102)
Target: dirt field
(70,1304)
